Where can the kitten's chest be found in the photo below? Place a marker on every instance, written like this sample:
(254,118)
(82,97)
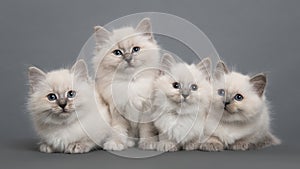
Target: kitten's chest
(60,137)
(181,128)
(132,93)
(229,133)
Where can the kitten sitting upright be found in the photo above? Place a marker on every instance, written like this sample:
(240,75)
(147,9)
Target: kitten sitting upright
(181,101)
(64,111)
(125,61)
(242,111)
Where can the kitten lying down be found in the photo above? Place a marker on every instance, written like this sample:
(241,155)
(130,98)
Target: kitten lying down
(181,100)
(240,119)
(65,114)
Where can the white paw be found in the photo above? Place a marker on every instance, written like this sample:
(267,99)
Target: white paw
(114,145)
(191,146)
(130,143)
(45,148)
(165,146)
(147,145)
(211,146)
(239,145)
(77,148)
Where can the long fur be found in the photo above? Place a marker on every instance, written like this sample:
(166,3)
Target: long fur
(85,122)
(127,90)
(181,123)
(241,125)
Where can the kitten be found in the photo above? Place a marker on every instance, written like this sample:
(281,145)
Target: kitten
(124,62)
(181,101)
(242,111)
(64,113)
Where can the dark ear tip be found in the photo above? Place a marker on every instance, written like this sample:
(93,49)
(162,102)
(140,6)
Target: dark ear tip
(262,76)
(96,28)
(220,63)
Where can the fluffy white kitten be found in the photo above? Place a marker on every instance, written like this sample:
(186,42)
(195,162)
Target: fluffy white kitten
(181,102)
(240,116)
(124,62)
(64,112)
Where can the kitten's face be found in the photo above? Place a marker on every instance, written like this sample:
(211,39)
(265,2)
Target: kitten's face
(184,85)
(55,95)
(239,96)
(128,49)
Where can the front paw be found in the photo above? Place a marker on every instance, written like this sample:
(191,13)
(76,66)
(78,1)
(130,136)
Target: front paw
(147,145)
(114,145)
(191,146)
(210,146)
(130,143)
(239,145)
(167,146)
(45,148)
(75,148)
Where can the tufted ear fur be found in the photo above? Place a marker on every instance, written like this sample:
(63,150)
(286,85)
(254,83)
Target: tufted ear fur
(101,35)
(221,69)
(204,66)
(144,26)
(259,82)
(167,62)
(80,70)
(35,76)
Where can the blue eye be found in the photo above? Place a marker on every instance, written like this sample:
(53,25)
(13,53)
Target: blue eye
(194,87)
(51,97)
(176,85)
(117,52)
(135,49)
(221,92)
(238,97)
(71,94)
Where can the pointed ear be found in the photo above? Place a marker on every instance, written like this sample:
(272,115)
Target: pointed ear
(205,66)
(221,69)
(145,27)
(259,82)
(35,76)
(80,70)
(101,35)
(167,62)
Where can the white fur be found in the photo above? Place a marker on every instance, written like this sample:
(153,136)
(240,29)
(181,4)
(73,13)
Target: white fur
(126,90)
(248,124)
(180,123)
(82,129)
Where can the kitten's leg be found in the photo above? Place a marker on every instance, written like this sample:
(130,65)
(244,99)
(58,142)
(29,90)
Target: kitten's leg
(80,147)
(166,145)
(119,139)
(266,141)
(212,144)
(148,136)
(131,138)
(191,145)
(46,148)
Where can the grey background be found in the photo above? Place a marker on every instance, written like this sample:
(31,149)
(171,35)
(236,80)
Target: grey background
(253,36)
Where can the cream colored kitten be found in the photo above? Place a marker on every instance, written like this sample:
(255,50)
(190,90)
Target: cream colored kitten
(242,111)
(124,62)
(181,101)
(64,112)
